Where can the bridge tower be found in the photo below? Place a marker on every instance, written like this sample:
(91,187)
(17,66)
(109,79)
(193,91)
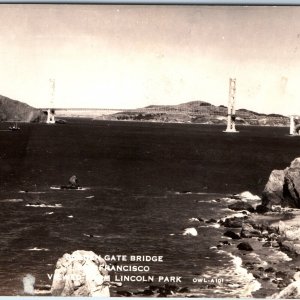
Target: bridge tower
(231,106)
(50,111)
(294,125)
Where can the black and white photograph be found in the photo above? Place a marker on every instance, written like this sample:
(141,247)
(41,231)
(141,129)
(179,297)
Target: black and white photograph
(150,150)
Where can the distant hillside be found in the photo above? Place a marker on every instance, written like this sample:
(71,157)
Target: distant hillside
(12,110)
(198,112)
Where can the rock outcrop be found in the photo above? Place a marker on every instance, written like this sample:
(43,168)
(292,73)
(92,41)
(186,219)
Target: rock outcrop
(291,291)
(81,273)
(283,187)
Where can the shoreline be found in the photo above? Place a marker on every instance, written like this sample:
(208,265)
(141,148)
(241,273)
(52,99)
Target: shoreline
(268,264)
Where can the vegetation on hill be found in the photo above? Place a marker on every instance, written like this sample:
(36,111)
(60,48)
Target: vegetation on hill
(198,112)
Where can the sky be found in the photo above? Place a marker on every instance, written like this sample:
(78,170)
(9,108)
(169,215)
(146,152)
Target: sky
(130,56)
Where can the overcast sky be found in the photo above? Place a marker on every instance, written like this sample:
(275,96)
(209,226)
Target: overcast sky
(132,56)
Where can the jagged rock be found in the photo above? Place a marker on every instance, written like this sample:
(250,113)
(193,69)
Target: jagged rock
(248,231)
(270,270)
(267,244)
(291,232)
(124,293)
(261,209)
(291,247)
(211,221)
(184,290)
(232,235)
(81,273)
(290,291)
(244,246)
(233,222)
(241,206)
(273,191)
(283,187)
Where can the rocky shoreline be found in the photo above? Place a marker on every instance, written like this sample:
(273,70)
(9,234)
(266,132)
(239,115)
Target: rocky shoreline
(265,233)
(261,235)
(261,243)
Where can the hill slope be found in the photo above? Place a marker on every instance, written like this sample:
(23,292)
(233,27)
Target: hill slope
(199,112)
(12,110)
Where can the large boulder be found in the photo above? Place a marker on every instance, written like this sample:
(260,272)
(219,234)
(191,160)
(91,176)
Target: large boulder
(283,187)
(82,273)
(292,291)
(248,231)
(238,206)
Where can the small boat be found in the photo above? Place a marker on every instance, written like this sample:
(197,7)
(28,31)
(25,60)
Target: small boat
(15,127)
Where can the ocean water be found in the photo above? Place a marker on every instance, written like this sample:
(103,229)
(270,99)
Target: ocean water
(143,181)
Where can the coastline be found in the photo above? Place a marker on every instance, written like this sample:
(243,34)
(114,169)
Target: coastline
(268,265)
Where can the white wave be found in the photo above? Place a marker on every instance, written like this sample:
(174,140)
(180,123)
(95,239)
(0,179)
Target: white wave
(229,200)
(37,249)
(12,200)
(70,216)
(30,192)
(190,231)
(236,215)
(193,220)
(70,189)
(249,196)
(239,280)
(216,225)
(92,235)
(57,205)
(89,197)
(49,213)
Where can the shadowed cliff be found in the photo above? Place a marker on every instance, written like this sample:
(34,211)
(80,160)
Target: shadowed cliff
(12,110)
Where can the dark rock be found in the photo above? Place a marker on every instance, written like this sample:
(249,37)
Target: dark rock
(265,278)
(281,274)
(249,265)
(290,247)
(154,287)
(226,243)
(267,244)
(185,192)
(200,219)
(248,231)
(211,221)
(124,293)
(171,287)
(211,286)
(241,206)
(245,246)
(232,235)
(162,295)
(148,292)
(184,290)
(261,209)
(256,275)
(270,270)
(233,222)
